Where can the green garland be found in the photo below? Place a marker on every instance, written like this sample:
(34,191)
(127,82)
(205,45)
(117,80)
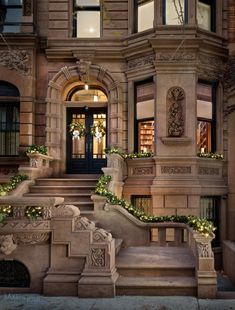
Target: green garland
(203,226)
(211,155)
(35,149)
(31,212)
(14,181)
(114,150)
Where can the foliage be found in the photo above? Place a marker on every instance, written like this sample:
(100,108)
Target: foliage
(77,129)
(98,130)
(35,149)
(33,212)
(14,181)
(203,226)
(211,155)
(114,150)
(4,212)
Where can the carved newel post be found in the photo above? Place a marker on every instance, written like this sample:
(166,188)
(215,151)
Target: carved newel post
(175,103)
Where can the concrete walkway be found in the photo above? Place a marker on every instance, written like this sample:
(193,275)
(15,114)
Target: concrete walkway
(37,302)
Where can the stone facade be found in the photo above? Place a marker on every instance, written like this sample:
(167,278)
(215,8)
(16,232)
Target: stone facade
(45,62)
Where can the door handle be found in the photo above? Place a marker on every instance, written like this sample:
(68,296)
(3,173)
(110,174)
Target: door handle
(86,147)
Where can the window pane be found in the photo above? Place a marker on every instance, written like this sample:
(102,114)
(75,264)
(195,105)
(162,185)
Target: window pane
(87,3)
(146,136)
(88,95)
(204,109)
(13,16)
(204,15)
(88,24)
(172,7)
(204,137)
(145,16)
(145,101)
(11,2)
(99,141)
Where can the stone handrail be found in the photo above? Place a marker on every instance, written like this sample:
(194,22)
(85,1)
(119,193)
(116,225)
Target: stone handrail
(39,166)
(136,233)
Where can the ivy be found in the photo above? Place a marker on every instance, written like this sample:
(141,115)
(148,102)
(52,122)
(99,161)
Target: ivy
(201,225)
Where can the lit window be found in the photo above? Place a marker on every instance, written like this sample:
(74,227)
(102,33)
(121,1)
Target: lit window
(10,15)
(174,12)
(205,15)
(145,117)
(9,119)
(87,18)
(209,209)
(205,120)
(145,12)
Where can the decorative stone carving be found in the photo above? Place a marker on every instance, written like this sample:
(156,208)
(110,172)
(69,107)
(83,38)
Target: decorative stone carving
(97,257)
(65,211)
(142,61)
(175,96)
(82,223)
(31,238)
(211,67)
(8,170)
(30,225)
(18,212)
(18,60)
(101,235)
(175,56)
(142,170)
(176,170)
(204,250)
(208,171)
(83,69)
(46,213)
(7,245)
(27,7)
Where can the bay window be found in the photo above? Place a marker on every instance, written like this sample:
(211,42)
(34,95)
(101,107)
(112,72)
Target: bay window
(144,125)
(205,118)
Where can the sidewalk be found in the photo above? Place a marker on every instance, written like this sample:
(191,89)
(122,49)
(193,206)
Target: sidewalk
(38,302)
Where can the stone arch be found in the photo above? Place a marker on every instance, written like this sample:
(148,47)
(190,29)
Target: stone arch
(14,274)
(55,125)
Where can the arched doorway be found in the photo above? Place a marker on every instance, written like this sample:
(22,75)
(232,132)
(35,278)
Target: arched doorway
(86,137)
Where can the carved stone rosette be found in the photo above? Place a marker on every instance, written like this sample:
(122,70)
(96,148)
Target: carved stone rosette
(175,102)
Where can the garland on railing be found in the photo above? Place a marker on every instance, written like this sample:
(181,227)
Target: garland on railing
(35,149)
(31,212)
(14,181)
(211,155)
(114,150)
(203,226)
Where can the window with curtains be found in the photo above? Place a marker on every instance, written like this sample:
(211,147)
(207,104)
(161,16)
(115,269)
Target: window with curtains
(205,118)
(9,119)
(86,19)
(206,14)
(144,14)
(174,12)
(144,120)
(10,15)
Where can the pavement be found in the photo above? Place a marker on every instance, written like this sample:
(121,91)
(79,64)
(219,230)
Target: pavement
(38,302)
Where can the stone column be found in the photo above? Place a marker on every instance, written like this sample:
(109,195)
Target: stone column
(27,122)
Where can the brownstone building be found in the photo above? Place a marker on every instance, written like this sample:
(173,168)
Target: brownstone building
(156,75)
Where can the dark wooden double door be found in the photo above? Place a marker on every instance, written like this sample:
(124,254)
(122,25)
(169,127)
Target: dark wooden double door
(86,154)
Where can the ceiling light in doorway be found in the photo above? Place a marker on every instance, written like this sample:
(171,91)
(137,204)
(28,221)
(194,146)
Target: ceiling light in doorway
(95,98)
(86,86)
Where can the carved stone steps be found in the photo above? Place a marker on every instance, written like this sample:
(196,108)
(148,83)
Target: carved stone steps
(62,189)
(156,286)
(156,271)
(66,182)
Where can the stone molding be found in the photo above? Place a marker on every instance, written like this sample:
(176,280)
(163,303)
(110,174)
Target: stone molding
(175,57)
(142,61)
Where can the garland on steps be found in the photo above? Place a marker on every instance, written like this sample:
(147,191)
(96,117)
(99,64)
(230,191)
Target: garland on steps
(201,225)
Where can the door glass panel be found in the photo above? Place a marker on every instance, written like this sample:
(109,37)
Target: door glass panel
(99,139)
(78,142)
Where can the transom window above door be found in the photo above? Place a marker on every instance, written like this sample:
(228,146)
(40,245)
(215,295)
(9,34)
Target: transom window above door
(88,95)
(86,19)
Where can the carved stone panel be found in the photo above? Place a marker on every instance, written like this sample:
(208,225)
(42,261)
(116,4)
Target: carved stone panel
(27,7)
(176,170)
(175,103)
(208,171)
(97,257)
(32,237)
(142,61)
(142,170)
(18,60)
(204,250)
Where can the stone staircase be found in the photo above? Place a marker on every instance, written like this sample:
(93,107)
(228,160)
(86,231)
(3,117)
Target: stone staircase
(75,189)
(156,271)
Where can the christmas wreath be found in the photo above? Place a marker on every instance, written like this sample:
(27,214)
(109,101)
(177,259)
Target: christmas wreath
(98,130)
(77,130)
